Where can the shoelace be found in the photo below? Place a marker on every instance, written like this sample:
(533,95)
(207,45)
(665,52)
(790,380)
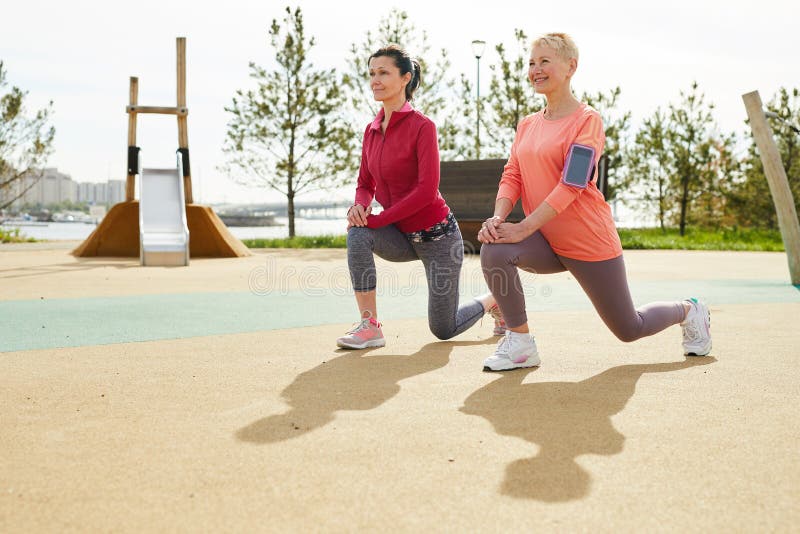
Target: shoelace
(496,314)
(504,346)
(691,333)
(363,325)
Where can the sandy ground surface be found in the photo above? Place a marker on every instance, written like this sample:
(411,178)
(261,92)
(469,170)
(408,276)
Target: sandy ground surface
(277,430)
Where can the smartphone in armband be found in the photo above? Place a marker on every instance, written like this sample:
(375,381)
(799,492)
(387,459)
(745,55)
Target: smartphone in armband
(579,167)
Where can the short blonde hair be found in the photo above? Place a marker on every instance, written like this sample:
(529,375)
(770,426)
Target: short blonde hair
(562,43)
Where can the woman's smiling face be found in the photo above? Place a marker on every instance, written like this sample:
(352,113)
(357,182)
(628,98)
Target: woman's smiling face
(548,71)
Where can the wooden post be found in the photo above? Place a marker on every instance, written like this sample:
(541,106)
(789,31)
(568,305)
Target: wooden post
(183,128)
(778,183)
(130,182)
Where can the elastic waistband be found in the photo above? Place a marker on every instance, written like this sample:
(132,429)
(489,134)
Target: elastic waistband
(445,227)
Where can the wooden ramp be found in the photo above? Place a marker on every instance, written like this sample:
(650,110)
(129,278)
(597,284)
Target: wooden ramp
(118,234)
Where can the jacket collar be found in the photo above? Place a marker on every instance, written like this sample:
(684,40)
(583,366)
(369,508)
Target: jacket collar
(396,116)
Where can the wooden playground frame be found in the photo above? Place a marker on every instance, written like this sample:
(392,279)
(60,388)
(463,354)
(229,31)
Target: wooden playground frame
(778,182)
(118,233)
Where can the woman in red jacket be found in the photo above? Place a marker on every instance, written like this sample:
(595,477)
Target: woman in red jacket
(400,169)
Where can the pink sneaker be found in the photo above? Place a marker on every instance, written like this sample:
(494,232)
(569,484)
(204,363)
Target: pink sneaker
(366,334)
(499,322)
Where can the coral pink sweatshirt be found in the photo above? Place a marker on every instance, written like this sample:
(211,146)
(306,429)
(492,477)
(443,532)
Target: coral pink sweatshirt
(584,227)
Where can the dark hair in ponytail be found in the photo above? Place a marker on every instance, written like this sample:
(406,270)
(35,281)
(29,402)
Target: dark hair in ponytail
(405,63)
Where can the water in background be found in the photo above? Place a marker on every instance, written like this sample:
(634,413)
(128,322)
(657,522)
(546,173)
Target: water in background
(73,231)
(65,231)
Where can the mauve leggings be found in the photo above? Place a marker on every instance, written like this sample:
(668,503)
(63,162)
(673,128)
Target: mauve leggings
(442,260)
(604,282)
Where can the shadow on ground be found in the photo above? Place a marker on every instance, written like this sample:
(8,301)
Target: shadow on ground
(566,420)
(355,381)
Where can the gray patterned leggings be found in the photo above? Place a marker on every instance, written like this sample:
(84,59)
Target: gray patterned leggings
(604,282)
(441,259)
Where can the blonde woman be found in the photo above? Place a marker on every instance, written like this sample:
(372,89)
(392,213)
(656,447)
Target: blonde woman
(568,225)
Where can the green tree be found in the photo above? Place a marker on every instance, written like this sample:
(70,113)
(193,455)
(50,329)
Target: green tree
(461,133)
(750,200)
(430,98)
(289,134)
(616,125)
(681,166)
(691,138)
(25,142)
(724,172)
(511,97)
(648,164)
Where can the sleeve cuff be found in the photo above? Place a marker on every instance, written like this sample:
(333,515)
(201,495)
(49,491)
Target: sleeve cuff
(562,196)
(374,221)
(508,191)
(363,200)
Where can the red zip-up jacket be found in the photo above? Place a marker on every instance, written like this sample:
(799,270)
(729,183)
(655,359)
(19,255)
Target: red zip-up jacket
(400,169)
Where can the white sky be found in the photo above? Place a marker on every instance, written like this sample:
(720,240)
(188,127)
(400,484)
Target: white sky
(81,54)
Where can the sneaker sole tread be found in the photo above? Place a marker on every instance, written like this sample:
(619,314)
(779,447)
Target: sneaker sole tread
(365,345)
(524,365)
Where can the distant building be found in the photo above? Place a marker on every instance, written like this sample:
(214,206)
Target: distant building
(115,192)
(52,188)
(55,187)
(102,193)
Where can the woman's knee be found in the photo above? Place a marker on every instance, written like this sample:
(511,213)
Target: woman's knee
(494,255)
(441,331)
(359,236)
(626,333)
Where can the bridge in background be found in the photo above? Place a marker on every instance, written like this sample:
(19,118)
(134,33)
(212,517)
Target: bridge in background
(320,209)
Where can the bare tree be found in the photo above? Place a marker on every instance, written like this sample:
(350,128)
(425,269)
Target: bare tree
(25,143)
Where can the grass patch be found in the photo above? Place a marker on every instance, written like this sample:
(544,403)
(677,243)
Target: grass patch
(13,235)
(701,239)
(632,239)
(322,241)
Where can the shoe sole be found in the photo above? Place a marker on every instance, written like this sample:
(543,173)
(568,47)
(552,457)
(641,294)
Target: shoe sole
(702,352)
(524,365)
(366,344)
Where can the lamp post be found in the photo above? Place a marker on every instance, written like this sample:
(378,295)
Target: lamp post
(477,49)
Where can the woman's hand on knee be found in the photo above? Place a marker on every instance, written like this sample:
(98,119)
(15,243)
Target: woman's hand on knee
(512,232)
(357,215)
(488,232)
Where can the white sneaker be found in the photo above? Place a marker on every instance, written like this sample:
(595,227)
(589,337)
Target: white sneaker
(697,329)
(514,351)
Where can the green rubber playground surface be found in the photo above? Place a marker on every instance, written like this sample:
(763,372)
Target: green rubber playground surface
(55,323)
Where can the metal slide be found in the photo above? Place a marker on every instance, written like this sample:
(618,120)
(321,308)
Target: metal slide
(163,231)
